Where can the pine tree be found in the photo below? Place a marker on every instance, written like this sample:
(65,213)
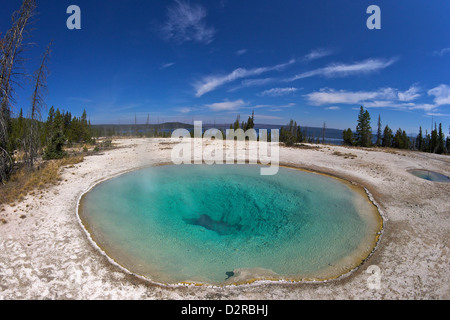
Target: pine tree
(49,124)
(434,142)
(86,134)
(300,137)
(236,124)
(289,134)
(405,140)
(379,137)
(55,147)
(347,136)
(419,140)
(447,144)
(363,129)
(427,142)
(441,143)
(387,137)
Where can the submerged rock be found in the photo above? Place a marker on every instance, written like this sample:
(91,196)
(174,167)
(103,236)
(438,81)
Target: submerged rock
(222,228)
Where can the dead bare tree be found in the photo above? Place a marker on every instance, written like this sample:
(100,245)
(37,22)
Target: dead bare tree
(10,62)
(37,104)
(324,129)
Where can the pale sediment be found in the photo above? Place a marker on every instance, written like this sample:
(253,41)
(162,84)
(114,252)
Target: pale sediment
(47,255)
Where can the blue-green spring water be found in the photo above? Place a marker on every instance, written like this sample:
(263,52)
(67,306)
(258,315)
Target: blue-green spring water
(225,224)
(430,175)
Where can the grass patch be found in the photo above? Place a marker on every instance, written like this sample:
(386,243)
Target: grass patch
(25,181)
(345,155)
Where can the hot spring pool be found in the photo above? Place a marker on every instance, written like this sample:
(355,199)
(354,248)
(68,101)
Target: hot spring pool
(430,175)
(225,224)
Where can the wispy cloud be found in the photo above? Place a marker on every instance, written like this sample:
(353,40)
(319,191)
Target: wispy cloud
(331,96)
(273,108)
(210,83)
(80,99)
(383,98)
(167,65)
(343,70)
(227,105)
(317,54)
(241,52)
(441,52)
(276,92)
(266,117)
(333,108)
(411,94)
(438,114)
(441,94)
(422,106)
(186,22)
(252,83)
(185,110)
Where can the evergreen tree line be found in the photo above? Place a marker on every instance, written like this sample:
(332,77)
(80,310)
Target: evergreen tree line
(293,133)
(434,142)
(250,124)
(60,129)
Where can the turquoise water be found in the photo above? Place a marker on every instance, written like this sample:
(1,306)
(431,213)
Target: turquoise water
(430,175)
(225,223)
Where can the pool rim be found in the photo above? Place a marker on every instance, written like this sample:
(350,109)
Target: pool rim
(354,185)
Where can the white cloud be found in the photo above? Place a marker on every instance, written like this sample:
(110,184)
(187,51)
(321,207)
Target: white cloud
(331,96)
(441,94)
(186,109)
(210,83)
(256,82)
(273,108)
(423,106)
(411,94)
(343,70)
(241,52)
(80,99)
(317,54)
(167,65)
(226,105)
(252,83)
(441,52)
(382,98)
(186,22)
(333,108)
(387,104)
(276,92)
(265,117)
(438,114)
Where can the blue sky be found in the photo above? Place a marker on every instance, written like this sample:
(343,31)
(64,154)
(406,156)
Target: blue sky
(209,60)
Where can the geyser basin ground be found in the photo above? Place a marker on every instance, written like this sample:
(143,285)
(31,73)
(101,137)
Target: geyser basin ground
(226,224)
